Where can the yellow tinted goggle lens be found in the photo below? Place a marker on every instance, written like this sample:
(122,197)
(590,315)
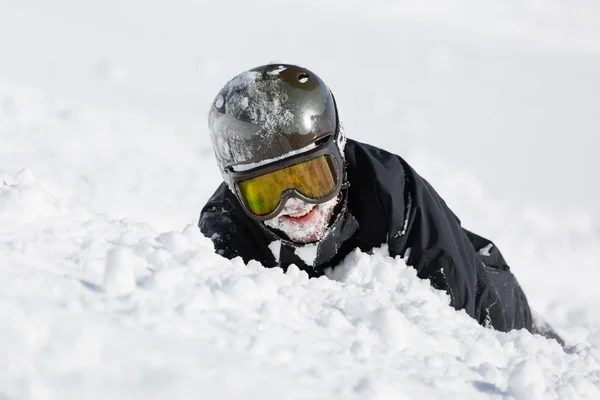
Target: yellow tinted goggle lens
(314,179)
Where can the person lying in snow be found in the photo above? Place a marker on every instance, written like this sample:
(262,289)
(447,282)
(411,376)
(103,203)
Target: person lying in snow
(297,191)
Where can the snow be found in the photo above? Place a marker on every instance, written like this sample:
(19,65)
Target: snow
(307,253)
(108,290)
(236,95)
(275,247)
(485,251)
(119,275)
(185,320)
(315,227)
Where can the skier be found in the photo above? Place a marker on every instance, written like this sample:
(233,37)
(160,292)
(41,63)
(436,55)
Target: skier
(297,191)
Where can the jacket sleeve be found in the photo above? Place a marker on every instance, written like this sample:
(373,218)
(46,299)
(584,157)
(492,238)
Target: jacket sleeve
(513,301)
(441,252)
(218,227)
(222,221)
(418,226)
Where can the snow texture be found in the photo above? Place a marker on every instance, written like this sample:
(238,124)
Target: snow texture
(254,87)
(307,253)
(108,290)
(249,96)
(307,231)
(485,251)
(275,248)
(191,320)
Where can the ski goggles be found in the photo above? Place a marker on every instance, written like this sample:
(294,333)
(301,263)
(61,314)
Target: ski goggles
(314,176)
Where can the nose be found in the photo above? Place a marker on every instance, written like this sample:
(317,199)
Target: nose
(295,204)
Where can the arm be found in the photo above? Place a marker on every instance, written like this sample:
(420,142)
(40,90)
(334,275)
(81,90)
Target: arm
(441,252)
(214,225)
(231,231)
(514,303)
(401,208)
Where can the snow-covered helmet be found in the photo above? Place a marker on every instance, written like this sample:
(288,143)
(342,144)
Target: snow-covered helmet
(269,114)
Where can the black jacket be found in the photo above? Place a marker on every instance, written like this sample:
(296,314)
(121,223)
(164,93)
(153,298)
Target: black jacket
(386,202)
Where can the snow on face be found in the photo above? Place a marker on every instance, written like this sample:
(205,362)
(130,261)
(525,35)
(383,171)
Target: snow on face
(303,222)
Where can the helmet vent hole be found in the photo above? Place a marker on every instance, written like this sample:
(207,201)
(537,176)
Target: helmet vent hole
(303,77)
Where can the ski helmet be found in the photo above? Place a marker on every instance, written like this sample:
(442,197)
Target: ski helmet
(268,112)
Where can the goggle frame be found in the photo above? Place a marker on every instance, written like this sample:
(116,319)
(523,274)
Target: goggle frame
(328,147)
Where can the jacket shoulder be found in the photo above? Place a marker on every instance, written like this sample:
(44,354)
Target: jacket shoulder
(358,152)
(377,195)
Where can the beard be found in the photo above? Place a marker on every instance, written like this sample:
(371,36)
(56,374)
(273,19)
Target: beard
(303,222)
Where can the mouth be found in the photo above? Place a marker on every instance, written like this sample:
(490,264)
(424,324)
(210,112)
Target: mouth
(301,215)
(303,222)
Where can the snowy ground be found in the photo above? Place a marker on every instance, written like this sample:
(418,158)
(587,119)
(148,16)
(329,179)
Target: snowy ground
(108,291)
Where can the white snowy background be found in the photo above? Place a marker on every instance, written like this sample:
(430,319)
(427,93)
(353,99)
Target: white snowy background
(108,291)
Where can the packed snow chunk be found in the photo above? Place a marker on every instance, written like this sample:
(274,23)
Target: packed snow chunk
(24,176)
(266,286)
(307,253)
(378,269)
(485,251)
(275,247)
(392,326)
(489,372)
(360,350)
(334,319)
(119,273)
(240,287)
(128,238)
(175,242)
(377,389)
(351,270)
(167,278)
(298,275)
(200,300)
(158,257)
(194,236)
(526,381)
(580,388)
(24,199)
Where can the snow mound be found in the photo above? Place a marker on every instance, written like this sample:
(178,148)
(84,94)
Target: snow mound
(23,198)
(98,307)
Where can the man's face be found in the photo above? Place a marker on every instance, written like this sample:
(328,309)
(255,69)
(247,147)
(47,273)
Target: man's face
(303,222)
